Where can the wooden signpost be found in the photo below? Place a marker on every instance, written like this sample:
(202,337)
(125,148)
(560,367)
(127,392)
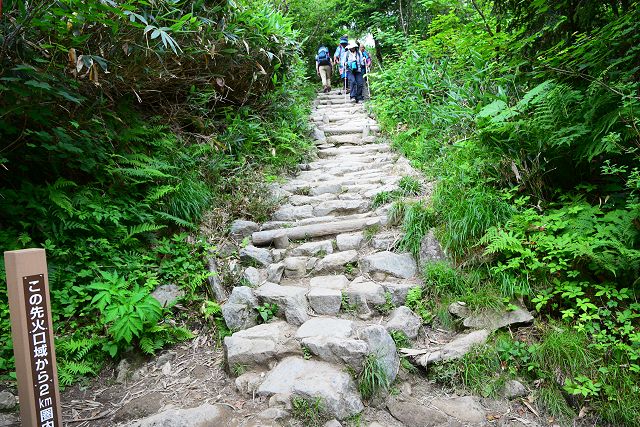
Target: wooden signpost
(32,333)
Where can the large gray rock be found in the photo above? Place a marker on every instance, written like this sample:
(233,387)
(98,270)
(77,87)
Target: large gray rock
(362,289)
(338,282)
(397,265)
(346,351)
(7,401)
(382,346)
(324,300)
(296,267)
(398,291)
(430,249)
(466,409)
(260,345)
(456,348)
(513,389)
(313,380)
(204,415)
(348,241)
(459,309)
(320,248)
(253,277)
(292,213)
(274,272)
(239,310)
(241,229)
(404,320)
(290,299)
(260,256)
(167,295)
(214,280)
(340,207)
(493,321)
(335,262)
(413,414)
(325,327)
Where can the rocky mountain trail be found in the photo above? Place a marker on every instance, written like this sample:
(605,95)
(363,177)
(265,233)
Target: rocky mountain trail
(325,268)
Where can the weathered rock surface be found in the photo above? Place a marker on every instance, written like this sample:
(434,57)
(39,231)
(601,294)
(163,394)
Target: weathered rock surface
(241,229)
(398,265)
(253,277)
(167,295)
(261,345)
(404,320)
(335,262)
(325,300)
(493,321)
(347,351)
(320,248)
(466,409)
(7,401)
(362,289)
(349,241)
(325,327)
(291,300)
(381,344)
(340,206)
(275,272)
(292,213)
(456,348)
(398,291)
(311,380)
(513,389)
(261,256)
(430,249)
(338,282)
(459,309)
(204,415)
(413,414)
(239,310)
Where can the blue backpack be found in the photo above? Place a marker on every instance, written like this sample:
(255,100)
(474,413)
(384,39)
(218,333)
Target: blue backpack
(323,56)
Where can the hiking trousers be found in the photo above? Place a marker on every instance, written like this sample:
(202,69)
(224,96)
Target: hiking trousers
(325,75)
(357,83)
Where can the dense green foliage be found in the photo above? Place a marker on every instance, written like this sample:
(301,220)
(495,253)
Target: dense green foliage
(527,114)
(132,132)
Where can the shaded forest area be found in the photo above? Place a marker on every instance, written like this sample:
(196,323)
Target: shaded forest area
(131,131)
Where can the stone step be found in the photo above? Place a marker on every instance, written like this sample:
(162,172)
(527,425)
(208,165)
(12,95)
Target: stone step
(336,226)
(272,225)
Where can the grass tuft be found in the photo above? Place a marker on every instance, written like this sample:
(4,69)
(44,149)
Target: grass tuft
(373,379)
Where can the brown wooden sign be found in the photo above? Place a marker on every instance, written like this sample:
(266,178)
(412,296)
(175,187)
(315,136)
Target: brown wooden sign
(32,333)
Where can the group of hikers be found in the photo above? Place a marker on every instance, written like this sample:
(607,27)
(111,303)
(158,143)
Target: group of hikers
(352,61)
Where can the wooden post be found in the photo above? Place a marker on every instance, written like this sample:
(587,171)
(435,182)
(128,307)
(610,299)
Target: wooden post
(32,333)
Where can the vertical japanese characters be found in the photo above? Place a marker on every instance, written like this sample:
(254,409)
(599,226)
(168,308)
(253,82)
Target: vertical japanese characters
(41,351)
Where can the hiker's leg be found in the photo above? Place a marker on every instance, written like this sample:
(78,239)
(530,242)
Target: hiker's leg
(360,86)
(352,83)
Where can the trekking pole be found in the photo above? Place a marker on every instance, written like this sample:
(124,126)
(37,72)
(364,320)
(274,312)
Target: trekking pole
(368,85)
(345,86)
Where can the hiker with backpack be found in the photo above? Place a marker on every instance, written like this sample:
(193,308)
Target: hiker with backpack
(337,59)
(324,65)
(354,62)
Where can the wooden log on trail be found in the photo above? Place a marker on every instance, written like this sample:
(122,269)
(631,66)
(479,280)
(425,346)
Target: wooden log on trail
(314,230)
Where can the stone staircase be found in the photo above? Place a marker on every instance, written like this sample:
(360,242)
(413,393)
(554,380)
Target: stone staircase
(326,260)
(323,260)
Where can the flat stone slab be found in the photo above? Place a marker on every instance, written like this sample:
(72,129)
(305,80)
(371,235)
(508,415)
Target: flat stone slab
(404,320)
(311,379)
(292,213)
(347,351)
(493,321)
(335,262)
(467,409)
(414,414)
(362,289)
(338,282)
(340,207)
(398,265)
(291,300)
(349,241)
(325,300)
(260,345)
(322,247)
(203,415)
(456,348)
(325,327)
(260,256)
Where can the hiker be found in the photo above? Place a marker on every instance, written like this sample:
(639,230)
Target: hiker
(367,66)
(337,58)
(353,61)
(324,64)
